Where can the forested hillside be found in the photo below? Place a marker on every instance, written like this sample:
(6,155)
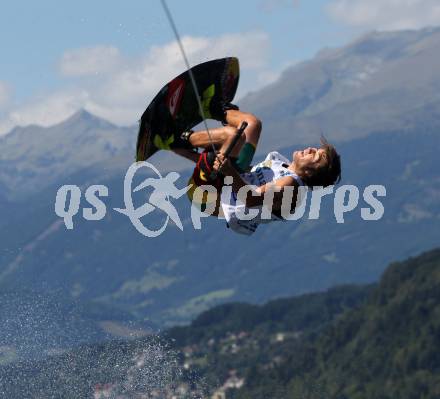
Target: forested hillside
(354,342)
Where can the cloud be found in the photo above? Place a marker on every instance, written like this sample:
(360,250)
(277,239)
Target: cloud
(133,87)
(118,88)
(90,61)
(45,111)
(267,77)
(386,14)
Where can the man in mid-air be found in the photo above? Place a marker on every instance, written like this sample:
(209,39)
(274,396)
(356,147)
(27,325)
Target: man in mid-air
(275,176)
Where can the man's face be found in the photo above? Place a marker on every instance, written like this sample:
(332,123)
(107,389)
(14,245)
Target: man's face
(309,159)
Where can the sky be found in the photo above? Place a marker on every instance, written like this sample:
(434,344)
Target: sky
(111,57)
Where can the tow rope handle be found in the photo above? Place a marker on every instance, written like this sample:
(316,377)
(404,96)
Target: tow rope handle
(231,146)
(240,131)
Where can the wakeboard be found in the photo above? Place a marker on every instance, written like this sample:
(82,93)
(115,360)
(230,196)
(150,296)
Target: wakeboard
(175,108)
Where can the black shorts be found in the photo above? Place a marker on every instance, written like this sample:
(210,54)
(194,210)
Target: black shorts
(219,110)
(203,169)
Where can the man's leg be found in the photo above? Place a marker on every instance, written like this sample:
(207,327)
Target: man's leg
(220,138)
(217,137)
(252,133)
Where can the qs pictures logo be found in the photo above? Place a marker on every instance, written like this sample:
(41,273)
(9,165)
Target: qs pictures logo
(163,189)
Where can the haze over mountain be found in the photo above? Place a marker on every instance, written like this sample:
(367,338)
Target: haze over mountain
(32,157)
(382,81)
(370,95)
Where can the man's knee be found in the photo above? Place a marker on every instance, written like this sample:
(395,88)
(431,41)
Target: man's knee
(253,130)
(254,123)
(236,117)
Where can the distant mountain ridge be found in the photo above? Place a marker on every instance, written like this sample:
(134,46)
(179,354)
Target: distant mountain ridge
(33,157)
(382,81)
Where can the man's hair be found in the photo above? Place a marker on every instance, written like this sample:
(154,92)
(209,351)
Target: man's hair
(329,172)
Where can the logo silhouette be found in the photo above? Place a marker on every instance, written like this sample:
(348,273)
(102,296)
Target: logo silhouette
(164,188)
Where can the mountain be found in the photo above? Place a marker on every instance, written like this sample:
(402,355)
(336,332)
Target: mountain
(383,81)
(387,348)
(33,157)
(172,278)
(376,341)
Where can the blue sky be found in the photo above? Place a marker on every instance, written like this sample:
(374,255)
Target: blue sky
(111,57)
